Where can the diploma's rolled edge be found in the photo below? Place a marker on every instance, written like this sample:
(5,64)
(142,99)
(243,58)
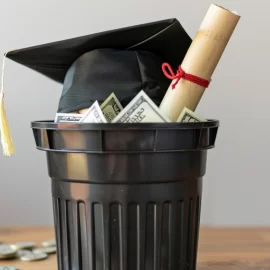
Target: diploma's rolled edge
(225,9)
(213,8)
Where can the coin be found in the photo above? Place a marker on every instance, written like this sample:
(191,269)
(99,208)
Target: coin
(7,252)
(47,250)
(49,243)
(23,245)
(23,252)
(8,268)
(34,257)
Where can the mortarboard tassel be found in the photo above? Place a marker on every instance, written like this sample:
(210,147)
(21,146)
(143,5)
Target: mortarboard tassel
(6,138)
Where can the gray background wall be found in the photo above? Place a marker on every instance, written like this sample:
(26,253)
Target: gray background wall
(237,183)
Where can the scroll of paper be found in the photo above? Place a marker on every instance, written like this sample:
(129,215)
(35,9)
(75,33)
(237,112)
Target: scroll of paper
(201,60)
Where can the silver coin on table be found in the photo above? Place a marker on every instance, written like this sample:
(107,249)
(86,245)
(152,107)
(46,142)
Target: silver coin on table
(34,257)
(47,250)
(23,252)
(49,243)
(8,268)
(23,245)
(7,252)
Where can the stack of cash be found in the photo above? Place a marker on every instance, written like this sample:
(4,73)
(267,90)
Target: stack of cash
(26,251)
(140,110)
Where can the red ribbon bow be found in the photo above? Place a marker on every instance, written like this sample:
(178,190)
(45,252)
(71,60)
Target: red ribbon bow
(181,74)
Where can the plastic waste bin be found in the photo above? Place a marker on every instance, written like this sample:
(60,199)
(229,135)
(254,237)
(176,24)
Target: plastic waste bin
(126,196)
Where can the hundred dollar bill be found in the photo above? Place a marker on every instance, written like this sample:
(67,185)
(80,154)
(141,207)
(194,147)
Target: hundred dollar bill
(189,116)
(94,115)
(111,107)
(68,118)
(141,110)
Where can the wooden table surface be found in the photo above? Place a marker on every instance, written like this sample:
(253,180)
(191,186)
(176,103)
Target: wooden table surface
(219,249)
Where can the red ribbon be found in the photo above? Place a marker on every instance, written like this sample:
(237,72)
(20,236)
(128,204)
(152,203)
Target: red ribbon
(181,74)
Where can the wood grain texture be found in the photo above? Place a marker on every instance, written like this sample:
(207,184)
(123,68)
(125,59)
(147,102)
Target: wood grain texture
(219,249)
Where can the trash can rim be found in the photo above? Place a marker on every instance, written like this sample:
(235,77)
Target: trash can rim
(50,124)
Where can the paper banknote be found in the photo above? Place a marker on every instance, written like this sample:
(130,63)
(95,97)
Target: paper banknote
(94,115)
(68,118)
(189,116)
(141,110)
(111,107)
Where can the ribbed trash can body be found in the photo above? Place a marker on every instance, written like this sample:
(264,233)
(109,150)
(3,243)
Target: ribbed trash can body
(126,196)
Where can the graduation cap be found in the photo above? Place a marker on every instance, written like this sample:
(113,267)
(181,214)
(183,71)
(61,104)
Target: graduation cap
(124,61)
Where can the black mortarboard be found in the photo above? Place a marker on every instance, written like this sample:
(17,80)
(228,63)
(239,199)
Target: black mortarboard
(123,61)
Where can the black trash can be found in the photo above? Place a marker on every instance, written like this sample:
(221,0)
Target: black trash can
(126,196)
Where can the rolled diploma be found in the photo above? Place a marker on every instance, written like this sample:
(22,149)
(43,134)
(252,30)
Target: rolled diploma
(201,60)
